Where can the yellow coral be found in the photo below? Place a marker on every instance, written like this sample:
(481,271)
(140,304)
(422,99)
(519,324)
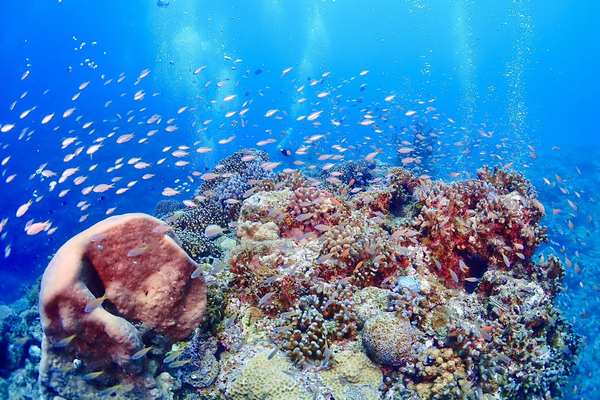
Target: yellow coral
(353,376)
(266,379)
(445,377)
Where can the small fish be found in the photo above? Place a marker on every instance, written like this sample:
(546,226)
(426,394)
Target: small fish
(92,305)
(173,355)
(209,176)
(62,343)
(120,388)
(141,353)
(453,276)
(138,250)
(197,272)
(506,260)
(266,299)
(179,363)
(103,187)
(92,375)
(213,231)
(265,142)
(47,119)
(22,210)
(37,227)
(269,166)
(161,229)
(314,116)
(203,150)
(304,217)
(270,113)
(168,192)
(272,353)
(322,227)
(227,140)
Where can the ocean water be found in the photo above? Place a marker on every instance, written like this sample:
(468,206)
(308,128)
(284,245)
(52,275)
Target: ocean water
(510,83)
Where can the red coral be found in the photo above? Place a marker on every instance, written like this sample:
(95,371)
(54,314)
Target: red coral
(474,218)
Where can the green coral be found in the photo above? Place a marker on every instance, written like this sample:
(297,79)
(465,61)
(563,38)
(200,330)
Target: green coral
(266,379)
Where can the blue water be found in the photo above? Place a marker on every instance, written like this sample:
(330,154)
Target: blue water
(526,71)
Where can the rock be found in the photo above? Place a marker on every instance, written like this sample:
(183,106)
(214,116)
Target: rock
(203,369)
(35,353)
(143,273)
(258,231)
(391,341)
(263,206)
(353,376)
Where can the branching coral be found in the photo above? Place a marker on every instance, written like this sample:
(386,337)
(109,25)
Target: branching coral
(319,318)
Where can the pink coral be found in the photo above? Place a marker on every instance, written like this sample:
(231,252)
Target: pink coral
(311,208)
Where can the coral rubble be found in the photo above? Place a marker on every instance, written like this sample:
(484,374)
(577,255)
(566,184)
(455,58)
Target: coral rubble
(405,288)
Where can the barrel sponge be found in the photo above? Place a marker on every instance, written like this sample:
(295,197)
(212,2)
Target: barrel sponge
(143,274)
(266,379)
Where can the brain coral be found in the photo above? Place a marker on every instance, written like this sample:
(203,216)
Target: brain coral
(353,376)
(266,379)
(390,341)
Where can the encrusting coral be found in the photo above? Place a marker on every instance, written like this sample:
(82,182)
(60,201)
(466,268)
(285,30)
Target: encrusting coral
(362,282)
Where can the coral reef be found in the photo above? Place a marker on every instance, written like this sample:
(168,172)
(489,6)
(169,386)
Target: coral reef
(369,283)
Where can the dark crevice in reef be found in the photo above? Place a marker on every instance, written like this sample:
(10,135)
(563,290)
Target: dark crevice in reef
(91,279)
(477,267)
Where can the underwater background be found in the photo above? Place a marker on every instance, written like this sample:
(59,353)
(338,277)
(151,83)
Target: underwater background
(515,83)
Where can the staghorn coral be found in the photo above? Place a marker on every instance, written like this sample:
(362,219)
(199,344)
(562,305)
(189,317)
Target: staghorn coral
(361,251)
(291,180)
